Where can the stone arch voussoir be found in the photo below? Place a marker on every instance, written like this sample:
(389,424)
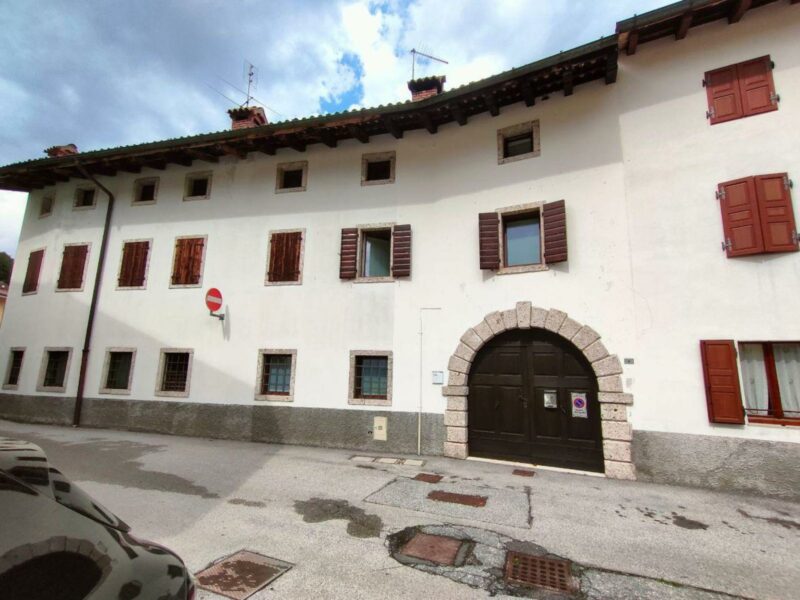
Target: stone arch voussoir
(616,430)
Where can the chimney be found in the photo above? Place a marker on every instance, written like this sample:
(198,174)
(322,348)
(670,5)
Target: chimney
(425,87)
(247,116)
(56,151)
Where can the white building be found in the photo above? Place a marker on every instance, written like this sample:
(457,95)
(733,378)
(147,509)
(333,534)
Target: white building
(496,270)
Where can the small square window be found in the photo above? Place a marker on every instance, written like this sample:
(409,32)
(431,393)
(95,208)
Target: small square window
(376,253)
(291,177)
(14,367)
(198,185)
(276,375)
(174,376)
(84,197)
(54,373)
(118,372)
(522,239)
(518,142)
(371,380)
(377,168)
(145,190)
(46,207)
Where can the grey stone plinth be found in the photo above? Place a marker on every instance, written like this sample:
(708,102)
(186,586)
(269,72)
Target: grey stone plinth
(455,390)
(457,434)
(457,403)
(620,470)
(615,398)
(455,450)
(617,430)
(455,418)
(616,450)
(613,412)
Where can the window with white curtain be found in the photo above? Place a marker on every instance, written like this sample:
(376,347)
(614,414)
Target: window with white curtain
(771,379)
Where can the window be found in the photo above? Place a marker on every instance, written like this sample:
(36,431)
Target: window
(73,267)
(285,257)
(117,372)
(291,177)
(14,368)
(31,283)
(771,378)
(276,375)
(174,372)
(198,186)
(757,215)
(377,168)
(187,266)
(133,266)
(518,142)
(371,377)
(375,252)
(46,207)
(145,190)
(84,198)
(522,239)
(741,90)
(55,366)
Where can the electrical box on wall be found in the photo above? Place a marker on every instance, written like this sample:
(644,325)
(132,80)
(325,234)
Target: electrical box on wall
(438,377)
(379,425)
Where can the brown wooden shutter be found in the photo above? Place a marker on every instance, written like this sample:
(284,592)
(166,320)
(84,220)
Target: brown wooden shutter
(177,262)
(756,86)
(489,240)
(134,264)
(31,283)
(196,258)
(401,251)
(348,256)
(274,262)
(554,232)
(284,256)
(184,268)
(294,243)
(72,267)
(723,394)
(724,96)
(140,266)
(126,269)
(740,217)
(776,213)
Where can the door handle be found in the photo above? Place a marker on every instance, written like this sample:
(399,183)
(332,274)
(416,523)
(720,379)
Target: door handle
(524,401)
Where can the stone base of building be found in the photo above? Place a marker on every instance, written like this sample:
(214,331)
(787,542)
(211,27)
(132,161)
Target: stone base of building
(330,428)
(723,463)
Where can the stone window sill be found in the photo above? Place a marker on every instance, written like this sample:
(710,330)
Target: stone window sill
(522,269)
(773,421)
(370,401)
(373,279)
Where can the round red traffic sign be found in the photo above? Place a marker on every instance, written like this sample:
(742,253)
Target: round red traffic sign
(213,299)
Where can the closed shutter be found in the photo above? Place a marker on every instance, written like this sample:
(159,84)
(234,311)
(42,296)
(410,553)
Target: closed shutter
(723,395)
(72,267)
(31,283)
(554,222)
(348,256)
(489,240)
(401,251)
(134,264)
(180,261)
(740,217)
(776,213)
(274,271)
(724,97)
(188,264)
(756,86)
(284,256)
(196,255)
(140,265)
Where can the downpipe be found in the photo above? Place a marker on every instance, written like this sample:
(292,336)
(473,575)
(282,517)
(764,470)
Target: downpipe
(419,408)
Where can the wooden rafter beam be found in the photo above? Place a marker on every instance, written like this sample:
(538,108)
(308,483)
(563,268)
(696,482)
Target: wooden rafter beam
(101,170)
(231,150)
(611,67)
(568,81)
(203,155)
(683,25)
(528,93)
(327,138)
(459,114)
(178,159)
(155,163)
(741,7)
(491,104)
(268,147)
(358,132)
(427,122)
(633,41)
(393,128)
(130,167)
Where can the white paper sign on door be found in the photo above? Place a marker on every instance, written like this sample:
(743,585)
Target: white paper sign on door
(550,399)
(579,408)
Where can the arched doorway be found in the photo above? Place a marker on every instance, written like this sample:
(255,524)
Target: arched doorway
(533,398)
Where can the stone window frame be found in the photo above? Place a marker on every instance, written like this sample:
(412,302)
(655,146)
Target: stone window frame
(260,371)
(104,378)
(79,189)
(351,399)
(160,374)
(52,198)
(180,286)
(302,232)
(291,166)
(146,267)
(360,253)
(40,386)
(85,267)
(6,385)
(514,130)
(39,279)
(520,209)
(191,177)
(366,158)
(137,183)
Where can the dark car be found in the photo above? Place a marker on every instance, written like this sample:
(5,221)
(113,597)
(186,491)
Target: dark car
(57,543)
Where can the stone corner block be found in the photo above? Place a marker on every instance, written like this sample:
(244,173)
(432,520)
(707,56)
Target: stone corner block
(495,322)
(459,365)
(456,378)
(483,331)
(472,339)
(585,337)
(524,315)
(455,450)
(614,398)
(612,383)
(613,412)
(510,318)
(620,470)
(595,351)
(457,434)
(617,430)
(555,318)
(464,352)
(569,328)
(538,317)
(455,390)
(455,418)
(458,403)
(617,450)
(609,365)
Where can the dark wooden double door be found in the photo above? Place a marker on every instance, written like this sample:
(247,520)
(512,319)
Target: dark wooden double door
(533,398)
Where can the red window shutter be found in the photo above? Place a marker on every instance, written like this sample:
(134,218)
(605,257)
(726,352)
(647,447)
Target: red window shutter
(740,217)
(128,257)
(79,265)
(196,258)
(724,95)
(134,264)
(31,283)
(776,213)
(723,394)
(140,266)
(756,86)
(489,240)
(554,221)
(294,243)
(182,264)
(274,259)
(401,251)
(72,267)
(348,256)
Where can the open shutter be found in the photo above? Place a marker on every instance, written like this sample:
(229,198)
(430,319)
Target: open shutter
(181,268)
(276,257)
(196,260)
(724,96)
(776,213)
(177,262)
(79,264)
(756,86)
(348,256)
(31,283)
(66,269)
(401,251)
(489,240)
(140,264)
(740,217)
(721,374)
(294,242)
(126,270)
(554,221)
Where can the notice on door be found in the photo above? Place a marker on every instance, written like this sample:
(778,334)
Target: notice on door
(551,399)
(579,408)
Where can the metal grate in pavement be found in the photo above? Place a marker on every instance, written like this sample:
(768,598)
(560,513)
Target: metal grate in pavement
(538,571)
(465,499)
(438,549)
(241,575)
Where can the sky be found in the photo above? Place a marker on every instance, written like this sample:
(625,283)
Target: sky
(105,73)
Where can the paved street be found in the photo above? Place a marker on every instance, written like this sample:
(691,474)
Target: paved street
(330,516)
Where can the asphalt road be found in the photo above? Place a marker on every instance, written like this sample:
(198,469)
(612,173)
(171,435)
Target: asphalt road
(330,515)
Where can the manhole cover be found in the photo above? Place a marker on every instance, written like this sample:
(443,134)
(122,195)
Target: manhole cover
(241,575)
(466,499)
(428,477)
(438,549)
(538,571)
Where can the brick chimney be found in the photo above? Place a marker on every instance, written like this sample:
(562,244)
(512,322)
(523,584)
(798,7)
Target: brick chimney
(55,151)
(425,87)
(247,116)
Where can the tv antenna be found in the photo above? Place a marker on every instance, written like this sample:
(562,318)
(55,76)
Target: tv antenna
(414,53)
(251,72)
(252,82)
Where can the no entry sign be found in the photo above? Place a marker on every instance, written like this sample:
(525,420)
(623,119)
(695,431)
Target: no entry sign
(213,299)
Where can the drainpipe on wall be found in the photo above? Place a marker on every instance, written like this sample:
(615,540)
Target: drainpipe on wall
(76,419)
(419,412)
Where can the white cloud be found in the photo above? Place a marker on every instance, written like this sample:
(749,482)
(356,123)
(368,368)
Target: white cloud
(12,209)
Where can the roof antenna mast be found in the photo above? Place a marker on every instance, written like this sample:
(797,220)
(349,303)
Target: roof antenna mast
(414,53)
(252,82)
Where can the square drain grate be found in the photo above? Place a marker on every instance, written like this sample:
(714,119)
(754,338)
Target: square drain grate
(465,499)
(538,571)
(428,477)
(438,549)
(241,575)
